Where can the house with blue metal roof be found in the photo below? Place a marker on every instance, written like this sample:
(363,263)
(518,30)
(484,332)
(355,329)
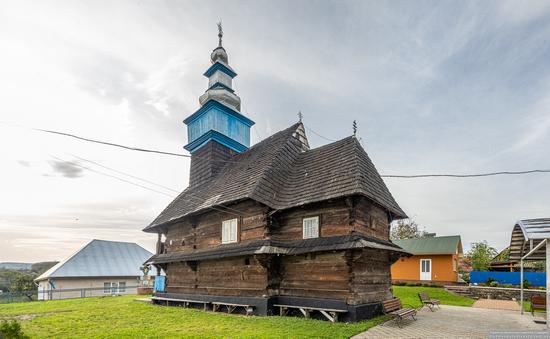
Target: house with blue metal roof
(99,268)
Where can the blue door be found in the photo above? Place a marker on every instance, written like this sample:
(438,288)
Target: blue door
(160,283)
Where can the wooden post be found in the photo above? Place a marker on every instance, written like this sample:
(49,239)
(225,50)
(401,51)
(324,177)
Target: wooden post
(547,284)
(521,283)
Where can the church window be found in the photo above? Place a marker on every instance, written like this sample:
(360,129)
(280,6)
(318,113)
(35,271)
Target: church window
(229,231)
(311,227)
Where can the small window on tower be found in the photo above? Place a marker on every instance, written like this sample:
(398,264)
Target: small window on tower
(311,227)
(229,231)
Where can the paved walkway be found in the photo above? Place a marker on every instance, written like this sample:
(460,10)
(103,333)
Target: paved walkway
(497,304)
(455,322)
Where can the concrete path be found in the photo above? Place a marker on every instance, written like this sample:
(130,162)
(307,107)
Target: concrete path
(455,322)
(497,304)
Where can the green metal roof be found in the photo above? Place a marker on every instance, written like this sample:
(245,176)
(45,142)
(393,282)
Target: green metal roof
(431,245)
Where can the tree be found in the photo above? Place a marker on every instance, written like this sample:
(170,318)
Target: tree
(24,284)
(406,230)
(480,255)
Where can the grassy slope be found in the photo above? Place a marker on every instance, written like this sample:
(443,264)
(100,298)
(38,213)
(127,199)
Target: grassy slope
(119,317)
(116,317)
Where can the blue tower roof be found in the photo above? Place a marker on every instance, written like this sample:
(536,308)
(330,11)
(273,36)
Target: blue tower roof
(219,118)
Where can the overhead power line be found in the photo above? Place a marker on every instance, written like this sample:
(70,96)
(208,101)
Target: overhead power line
(413,176)
(113,176)
(111,143)
(195,197)
(124,173)
(467,175)
(319,135)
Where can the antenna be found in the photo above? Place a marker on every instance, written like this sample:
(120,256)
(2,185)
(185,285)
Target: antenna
(300,116)
(354,127)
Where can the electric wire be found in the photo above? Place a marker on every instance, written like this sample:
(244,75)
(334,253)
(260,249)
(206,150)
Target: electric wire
(412,176)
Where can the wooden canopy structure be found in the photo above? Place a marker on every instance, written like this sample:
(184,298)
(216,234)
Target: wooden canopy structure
(530,241)
(526,235)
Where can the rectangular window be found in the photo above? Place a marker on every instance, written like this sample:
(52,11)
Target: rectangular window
(311,227)
(107,288)
(121,287)
(229,231)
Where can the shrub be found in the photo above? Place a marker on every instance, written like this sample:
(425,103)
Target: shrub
(466,276)
(489,281)
(493,283)
(11,330)
(526,283)
(400,283)
(508,285)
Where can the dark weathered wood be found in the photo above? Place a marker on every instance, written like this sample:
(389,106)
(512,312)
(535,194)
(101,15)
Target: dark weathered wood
(356,276)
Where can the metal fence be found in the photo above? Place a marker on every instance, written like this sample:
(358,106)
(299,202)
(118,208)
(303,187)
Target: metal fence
(513,278)
(73,293)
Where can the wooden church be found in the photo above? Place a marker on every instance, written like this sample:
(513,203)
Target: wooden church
(277,227)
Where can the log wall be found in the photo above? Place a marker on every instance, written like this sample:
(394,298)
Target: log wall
(237,276)
(334,220)
(318,275)
(356,276)
(370,219)
(205,231)
(370,279)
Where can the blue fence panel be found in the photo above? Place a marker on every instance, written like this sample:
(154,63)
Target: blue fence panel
(534,278)
(160,283)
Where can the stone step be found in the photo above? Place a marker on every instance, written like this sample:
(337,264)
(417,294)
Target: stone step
(459,290)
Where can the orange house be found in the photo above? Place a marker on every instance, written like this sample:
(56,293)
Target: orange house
(435,259)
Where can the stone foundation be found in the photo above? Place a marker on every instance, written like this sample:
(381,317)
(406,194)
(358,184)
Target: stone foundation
(503,293)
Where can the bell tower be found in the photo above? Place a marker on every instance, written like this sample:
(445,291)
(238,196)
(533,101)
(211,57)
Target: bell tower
(217,130)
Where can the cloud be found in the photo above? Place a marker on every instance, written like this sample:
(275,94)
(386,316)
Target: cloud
(24,163)
(66,169)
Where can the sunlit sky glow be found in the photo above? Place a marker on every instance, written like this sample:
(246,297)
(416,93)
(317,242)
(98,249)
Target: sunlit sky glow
(435,86)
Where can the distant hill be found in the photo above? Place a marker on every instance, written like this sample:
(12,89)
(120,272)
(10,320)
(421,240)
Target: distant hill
(41,267)
(15,266)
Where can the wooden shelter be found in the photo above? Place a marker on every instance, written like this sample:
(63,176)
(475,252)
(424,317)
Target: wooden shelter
(530,242)
(278,227)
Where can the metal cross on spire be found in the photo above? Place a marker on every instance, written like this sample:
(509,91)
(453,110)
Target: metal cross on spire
(300,116)
(220,33)
(354,127)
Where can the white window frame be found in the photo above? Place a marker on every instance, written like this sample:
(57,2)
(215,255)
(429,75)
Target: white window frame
(310,231)
(230,229)
(122,287)
(108,287)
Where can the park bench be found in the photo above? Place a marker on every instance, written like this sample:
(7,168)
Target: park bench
(537,303)
(329,313)
(427,301)
(394,309)
(231,307)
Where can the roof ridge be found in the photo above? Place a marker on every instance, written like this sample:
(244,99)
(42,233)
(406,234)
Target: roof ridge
(274,163)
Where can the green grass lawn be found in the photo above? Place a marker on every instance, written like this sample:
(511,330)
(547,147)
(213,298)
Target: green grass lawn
(409,295)
(121,317)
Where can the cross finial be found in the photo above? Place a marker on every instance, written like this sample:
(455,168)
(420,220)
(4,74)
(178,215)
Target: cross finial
(354,127)
(300,116)
(220,34)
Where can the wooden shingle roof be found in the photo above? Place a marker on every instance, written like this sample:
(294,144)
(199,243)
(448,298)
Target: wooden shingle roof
(293,247)
(281,172)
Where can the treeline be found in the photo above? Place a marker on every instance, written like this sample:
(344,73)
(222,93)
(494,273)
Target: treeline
(14,280)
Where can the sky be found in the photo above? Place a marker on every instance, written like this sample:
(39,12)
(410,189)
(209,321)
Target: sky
(435,87)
